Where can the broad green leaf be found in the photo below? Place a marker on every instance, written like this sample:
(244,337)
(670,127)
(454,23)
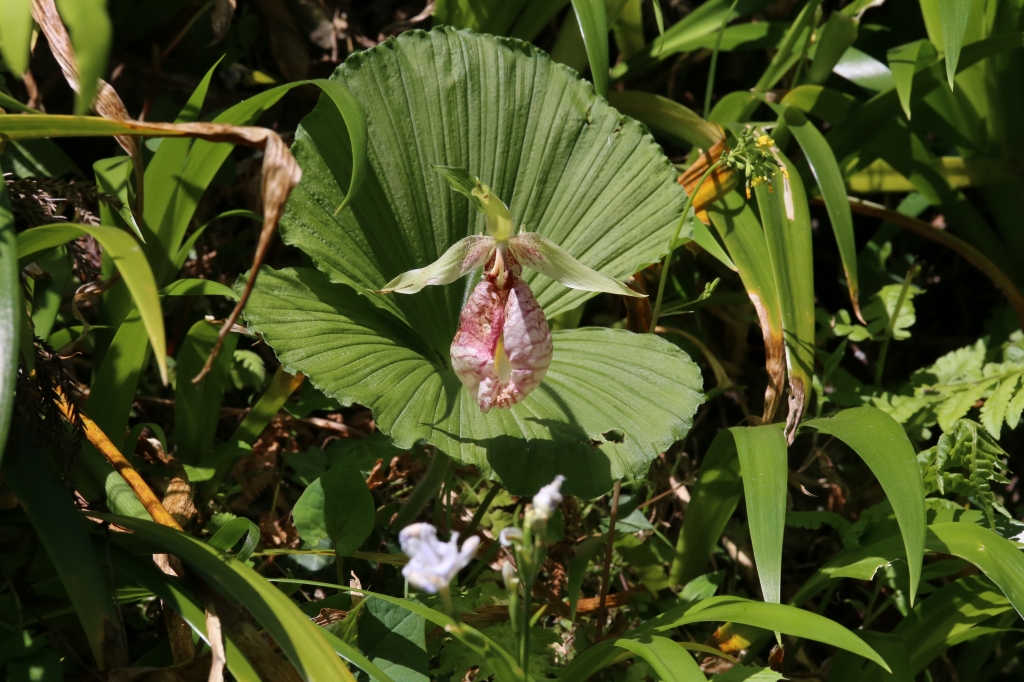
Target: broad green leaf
(668,659)
(667,116)
(838,34)
(231,532)
(197,405)
(742,673)
(536,15)
(629,28)
(787,229)
(497,657)
(593,21)
(954,15)
(614,208)
(298,637)
(905,61)
(829,177)
(348,506)
(16,34)
(394,639)
(864,70)
(356,352)
(827,104)
(11,305)
(310,521)
(712,501)
(130,261)
(883,445)
(764,466)
(90,31)
(30,471)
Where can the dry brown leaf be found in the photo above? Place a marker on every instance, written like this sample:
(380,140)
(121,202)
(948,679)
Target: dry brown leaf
(721,181)
(107,102)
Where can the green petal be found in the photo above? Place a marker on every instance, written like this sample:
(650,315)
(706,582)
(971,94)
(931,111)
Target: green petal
(548,258)
(464,256)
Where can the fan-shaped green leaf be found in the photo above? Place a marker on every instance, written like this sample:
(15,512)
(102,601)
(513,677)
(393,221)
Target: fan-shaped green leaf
(600,380)
(570,167)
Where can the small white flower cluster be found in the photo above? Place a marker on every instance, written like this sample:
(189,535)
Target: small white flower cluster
(433,564)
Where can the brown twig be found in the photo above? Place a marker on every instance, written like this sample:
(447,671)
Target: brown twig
(606,571)
(969,253)
(99,440)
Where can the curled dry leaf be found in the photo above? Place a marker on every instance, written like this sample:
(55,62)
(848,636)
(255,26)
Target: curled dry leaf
(107,102)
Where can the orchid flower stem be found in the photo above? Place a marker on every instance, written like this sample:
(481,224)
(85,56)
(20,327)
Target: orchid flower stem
(446,599)
(671,246)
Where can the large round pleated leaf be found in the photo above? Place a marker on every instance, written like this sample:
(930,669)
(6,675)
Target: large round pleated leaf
(569,166)
(611,401)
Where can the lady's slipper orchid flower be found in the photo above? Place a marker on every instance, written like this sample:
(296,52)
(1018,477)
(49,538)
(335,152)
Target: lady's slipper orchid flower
(502,349)
(433,564)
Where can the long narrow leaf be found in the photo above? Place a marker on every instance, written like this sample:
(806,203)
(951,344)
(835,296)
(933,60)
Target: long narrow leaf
(10,310)
(593,20)
(131,263)
(954,15)
(300,640)
(31,472)
(16,33)
(712,502)
(668,659)
(764,467)
(883,445)
(787,230)
(91,31)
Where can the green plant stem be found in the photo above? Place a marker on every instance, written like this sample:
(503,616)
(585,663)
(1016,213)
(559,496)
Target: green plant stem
(672,244)
(606,571)
(478,516)
(714,59)
(890,328)
(424,490)
(482,562)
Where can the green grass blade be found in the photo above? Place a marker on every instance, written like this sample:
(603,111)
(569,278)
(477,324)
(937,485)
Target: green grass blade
(585,551)
(764,466)
(904,62)
(232,531)
(712,502)
(131,263)
(113,176)
(197,405)
(11,305)
(352,655)
(593,21)
(500,659)
(745,241)
(830,181)
(787,230)
(883,445)
(668,659)
(299,638)
(666,116)
(839,33)
(30,471)
(954,15)
(144,573)
(198,287)
(16,34)
(90,31)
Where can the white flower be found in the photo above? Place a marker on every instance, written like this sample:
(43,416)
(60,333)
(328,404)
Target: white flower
(433,564)
(509,576)
(508,535)
(547,499)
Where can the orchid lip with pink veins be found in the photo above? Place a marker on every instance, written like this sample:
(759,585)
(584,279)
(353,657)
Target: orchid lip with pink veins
(503,348)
